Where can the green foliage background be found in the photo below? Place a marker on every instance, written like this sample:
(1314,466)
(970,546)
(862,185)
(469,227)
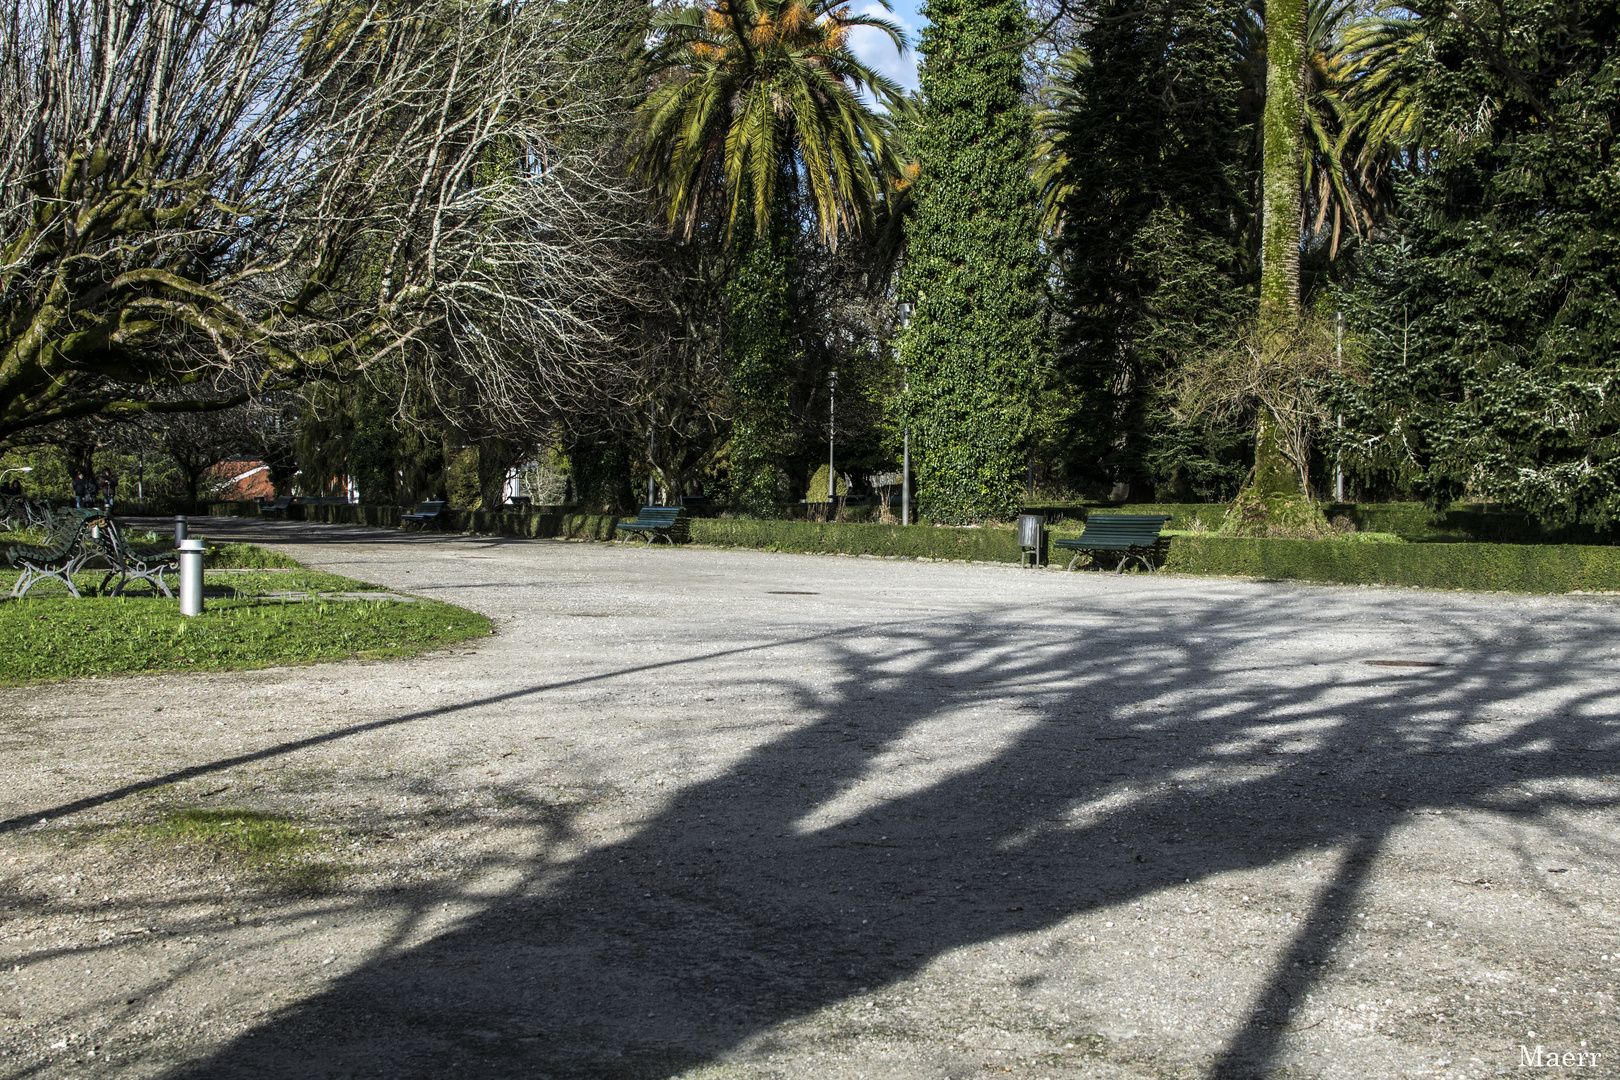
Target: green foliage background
(1490,313)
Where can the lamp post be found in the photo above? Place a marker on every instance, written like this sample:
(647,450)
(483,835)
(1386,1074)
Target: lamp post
(1338,455)
(904,311)
(832,400)
(19,468)
(652,447)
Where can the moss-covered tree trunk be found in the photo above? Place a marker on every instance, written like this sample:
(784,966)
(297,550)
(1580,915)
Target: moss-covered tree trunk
(973,265)
(1274,502)
(1283,164)
(1283,124)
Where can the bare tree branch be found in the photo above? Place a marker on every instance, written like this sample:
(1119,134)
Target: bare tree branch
(295,191)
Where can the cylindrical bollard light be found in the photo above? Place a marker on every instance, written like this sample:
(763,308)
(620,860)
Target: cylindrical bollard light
(179,529)
(191,575)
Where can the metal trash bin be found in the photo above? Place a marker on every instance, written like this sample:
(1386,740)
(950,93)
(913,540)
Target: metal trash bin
(1031,537)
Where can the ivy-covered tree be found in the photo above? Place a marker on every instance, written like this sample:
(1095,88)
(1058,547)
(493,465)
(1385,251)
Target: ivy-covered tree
(761,349)
(1143,179)
(973,351)
(1490,314)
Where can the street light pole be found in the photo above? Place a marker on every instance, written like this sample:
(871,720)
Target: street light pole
(652,446)
(1338,455)
(832,397)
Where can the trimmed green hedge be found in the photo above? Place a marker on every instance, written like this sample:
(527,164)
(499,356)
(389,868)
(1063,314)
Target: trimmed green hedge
(906,541)
(1529,568)
(537,525)
(1508,567)
(1409,520)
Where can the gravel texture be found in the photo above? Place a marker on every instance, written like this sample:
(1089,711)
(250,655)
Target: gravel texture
(703,813)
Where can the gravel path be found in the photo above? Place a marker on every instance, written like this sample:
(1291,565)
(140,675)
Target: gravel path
(706,814)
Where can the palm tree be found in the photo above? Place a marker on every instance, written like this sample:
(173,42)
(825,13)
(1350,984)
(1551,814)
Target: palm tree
(1053,170)
(761,99)
(1384,94)
(756,106)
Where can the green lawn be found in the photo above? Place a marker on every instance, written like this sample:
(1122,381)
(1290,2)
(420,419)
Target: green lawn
(49,635)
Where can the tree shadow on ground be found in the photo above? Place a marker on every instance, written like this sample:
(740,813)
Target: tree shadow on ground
(954,781)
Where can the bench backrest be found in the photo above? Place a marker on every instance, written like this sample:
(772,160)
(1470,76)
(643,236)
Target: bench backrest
(115,544)
(281,503)
(658,515)
(429,507)
(65,531)
(1143,527)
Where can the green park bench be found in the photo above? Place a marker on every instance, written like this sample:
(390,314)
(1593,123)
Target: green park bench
(425,512)
(13,511)
(278,507)
(21,512)
(128,563)
(652,522)
(62,555)
(1134,537)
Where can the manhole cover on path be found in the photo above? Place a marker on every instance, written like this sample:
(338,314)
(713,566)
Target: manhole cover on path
(1404,663)
(789,592)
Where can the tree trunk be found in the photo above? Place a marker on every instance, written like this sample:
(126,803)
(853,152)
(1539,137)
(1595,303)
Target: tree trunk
(1283,127)
(1283,130)
(495,458)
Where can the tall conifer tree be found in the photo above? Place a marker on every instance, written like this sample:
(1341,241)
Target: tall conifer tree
(973,265)
(1143,139)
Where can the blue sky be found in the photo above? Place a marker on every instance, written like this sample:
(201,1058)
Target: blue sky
(877,51)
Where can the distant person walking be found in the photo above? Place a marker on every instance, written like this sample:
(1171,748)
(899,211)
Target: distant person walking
(108,485)
(84,491)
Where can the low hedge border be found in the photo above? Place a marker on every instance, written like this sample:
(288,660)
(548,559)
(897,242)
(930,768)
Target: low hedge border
(894,541)
(542,526)
(1411,521)
(1523,568)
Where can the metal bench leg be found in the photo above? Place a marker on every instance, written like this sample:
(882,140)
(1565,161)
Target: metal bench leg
(31,575)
